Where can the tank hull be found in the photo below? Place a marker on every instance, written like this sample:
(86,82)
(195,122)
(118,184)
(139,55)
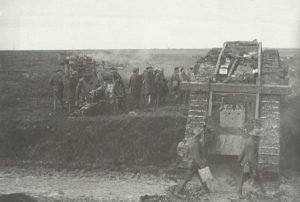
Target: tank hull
(247,94)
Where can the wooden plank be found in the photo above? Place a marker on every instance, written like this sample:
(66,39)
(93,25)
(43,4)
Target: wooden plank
(195,86)
(14,71)
(233,88)
(210,101)
(275,89)
(258,82)
(259,66)
(257,106)
(236,88)
(233,67)
(219,59)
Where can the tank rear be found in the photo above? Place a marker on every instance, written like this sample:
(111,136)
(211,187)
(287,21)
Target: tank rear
(233,113)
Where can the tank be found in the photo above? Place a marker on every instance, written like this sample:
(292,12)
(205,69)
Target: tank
(237,87)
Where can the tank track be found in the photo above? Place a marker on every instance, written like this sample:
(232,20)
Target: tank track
(198,110)
(269,146)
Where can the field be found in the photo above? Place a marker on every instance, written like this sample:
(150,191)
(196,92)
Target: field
(100,157)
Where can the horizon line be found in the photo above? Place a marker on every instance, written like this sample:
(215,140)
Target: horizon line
(131,49)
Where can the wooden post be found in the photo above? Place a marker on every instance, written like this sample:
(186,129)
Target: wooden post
(233,67)
(210,103)
(219,59)
(258,81)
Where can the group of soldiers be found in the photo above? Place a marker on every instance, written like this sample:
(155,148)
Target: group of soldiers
(179,75)
(78,93)
(150,88)
(153,87)
(74,81)
(76,90)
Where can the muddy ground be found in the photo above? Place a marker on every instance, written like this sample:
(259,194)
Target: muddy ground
(45,184)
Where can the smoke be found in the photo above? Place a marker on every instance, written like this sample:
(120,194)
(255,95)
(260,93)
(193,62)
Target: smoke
(290,132)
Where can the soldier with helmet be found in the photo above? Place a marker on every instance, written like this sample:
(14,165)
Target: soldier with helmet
(249,160)
(198,161)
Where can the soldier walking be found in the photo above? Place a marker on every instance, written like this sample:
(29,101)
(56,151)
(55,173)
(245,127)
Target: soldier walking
(198,161)
(249,160)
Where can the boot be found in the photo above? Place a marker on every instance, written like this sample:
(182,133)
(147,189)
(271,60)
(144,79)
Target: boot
(178,194)
(240,192)
(206,188)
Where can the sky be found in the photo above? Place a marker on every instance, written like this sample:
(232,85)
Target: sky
(145,24)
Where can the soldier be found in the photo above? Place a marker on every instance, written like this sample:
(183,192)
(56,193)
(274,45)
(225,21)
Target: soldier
(80,93)
(182,75)
(190,77)
(135,87)
(191,74)
(118,91)
(72,89)
(249,159)
(198,161)
(149,86)
(57,85)
(160,86)
(175,84)
(66,66)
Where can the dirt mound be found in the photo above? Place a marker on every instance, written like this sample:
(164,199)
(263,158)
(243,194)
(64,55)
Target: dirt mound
(113,140)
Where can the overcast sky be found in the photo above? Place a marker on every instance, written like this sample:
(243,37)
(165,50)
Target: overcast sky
(135,24)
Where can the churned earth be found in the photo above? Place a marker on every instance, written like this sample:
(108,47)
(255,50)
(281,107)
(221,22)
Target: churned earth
(46,184)
(50,185)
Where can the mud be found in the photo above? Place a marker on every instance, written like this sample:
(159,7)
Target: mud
(76,185)
(44,184)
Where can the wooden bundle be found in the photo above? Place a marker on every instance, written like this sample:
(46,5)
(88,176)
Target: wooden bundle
(272,73)
(207,65)
(211,57)
(247,54)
